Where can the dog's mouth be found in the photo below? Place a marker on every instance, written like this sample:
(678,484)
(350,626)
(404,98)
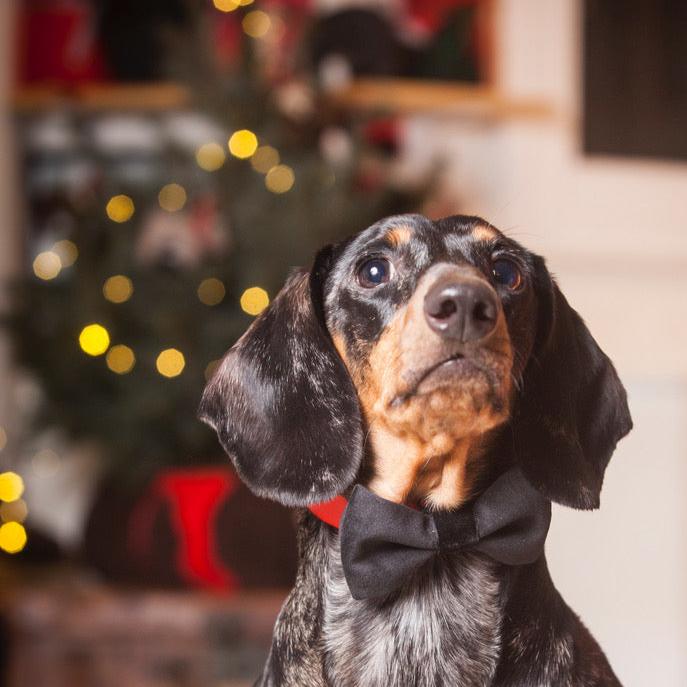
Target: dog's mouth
(444,371)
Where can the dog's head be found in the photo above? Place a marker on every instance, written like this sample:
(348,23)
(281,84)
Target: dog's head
(405,356)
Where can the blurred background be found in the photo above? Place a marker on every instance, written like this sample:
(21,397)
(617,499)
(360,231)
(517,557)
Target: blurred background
(165,163)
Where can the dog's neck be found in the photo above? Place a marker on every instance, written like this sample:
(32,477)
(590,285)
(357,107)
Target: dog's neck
(436,474)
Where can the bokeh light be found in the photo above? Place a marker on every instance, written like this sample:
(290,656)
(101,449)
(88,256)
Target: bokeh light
(45,463)
(256,24)
(243,143)
(120,208)
(66,251)
(210,156)
(264,159)
(11,486)
(118,288)
(280,179)
(47,265)
(254,300)
(120,359)
(211,291)
(172,197)
(12,537)
(94,339)
(226,5)
(170,362)
(14,512)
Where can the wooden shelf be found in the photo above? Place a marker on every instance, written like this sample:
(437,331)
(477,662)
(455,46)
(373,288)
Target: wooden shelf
(395,96)
(105,96)
(407,96)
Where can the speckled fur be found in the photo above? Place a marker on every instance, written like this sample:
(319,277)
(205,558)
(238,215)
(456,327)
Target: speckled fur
(463,621)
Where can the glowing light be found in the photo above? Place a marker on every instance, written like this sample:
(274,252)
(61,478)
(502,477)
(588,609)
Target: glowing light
(67,252)
(245,3)
(210,369)
(226,5)
(94,339)
(280,179)
(47,265)
(210,156)
(243,143)
(254,300)
(120,208)
(211,291)
(172,197)
(256,23)
(12,537)
(120,359)
(14,512)
(45,463)
(170,362)
(118,288)
(11,486)
(264,159)
(3,438)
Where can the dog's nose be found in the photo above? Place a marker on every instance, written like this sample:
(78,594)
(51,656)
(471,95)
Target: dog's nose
(463,310)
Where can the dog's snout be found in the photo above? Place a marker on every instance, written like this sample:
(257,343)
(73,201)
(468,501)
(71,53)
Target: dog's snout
(462,310)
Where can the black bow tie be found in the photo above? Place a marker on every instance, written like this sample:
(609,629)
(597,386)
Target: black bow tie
(383,543)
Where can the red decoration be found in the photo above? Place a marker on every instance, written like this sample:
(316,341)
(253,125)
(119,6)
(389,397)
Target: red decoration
(193,498)
(58,42)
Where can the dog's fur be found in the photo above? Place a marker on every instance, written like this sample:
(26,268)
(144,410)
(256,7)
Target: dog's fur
(339,382)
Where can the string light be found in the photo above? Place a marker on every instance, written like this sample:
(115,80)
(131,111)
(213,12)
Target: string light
(172,197)
(280,179)
(256,24)
(211,291)
(120,208)
(118,288)
(264,159)
(170,362)
(47,265)
(45,463)
(210,156)
(12,537)
(14,512)
(3,438)
(226,5)
(11,486)
(254,300)
(94,339)
(66,251)
(120,359)
(243,144)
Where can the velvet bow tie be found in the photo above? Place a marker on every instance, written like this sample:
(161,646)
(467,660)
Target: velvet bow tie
(383,543)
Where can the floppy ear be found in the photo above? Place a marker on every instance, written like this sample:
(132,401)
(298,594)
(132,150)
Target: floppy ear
(282,402)
(572,409)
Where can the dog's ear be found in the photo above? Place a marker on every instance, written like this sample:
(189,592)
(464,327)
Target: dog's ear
(572,409)
(282,402)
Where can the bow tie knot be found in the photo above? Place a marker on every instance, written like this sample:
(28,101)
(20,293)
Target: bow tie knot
(383,543)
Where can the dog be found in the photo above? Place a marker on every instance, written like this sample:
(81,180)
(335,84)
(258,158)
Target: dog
(421,362)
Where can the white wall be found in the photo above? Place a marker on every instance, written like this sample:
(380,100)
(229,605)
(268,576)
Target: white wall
(615,233)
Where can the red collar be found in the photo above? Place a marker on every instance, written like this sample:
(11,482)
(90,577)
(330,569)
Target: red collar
(330,511)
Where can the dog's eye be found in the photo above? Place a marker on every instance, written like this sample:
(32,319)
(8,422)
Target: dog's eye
(507,273)
(374,272)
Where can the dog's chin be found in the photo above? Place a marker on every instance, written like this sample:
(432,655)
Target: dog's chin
(458,397)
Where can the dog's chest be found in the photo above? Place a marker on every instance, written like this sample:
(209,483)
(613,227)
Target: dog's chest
(442,628)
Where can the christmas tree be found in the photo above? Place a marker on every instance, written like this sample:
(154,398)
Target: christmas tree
(149,264)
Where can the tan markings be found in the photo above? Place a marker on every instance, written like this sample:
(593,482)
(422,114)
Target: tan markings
(426,435)
(483,232)
(398,236)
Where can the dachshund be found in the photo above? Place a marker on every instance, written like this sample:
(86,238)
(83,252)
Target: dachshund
(420,361)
